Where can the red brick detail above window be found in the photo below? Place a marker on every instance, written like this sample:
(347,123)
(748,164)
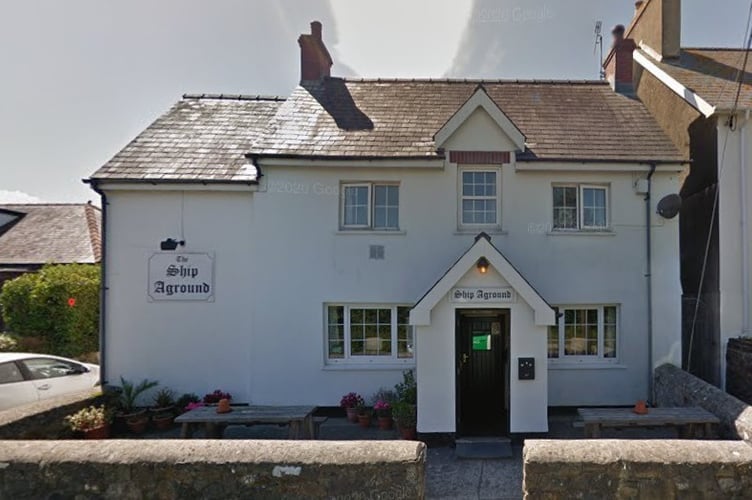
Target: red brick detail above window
(479,157)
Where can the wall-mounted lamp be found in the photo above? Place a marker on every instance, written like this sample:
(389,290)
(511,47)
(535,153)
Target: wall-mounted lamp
(482,265)
(171,244)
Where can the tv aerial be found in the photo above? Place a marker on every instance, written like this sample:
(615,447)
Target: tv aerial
(599,45)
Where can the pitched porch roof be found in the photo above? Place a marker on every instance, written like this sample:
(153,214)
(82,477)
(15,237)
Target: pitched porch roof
(420,315)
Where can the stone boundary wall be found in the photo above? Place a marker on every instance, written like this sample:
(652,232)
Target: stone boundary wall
(739,368)
(44,419)
(675,387)
(209,469)
(637,469)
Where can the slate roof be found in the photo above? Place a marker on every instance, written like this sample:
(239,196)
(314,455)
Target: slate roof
(712,74)
(561,120)
(43,233)
(202,137)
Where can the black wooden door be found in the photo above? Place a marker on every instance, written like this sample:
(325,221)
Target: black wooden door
(481,380)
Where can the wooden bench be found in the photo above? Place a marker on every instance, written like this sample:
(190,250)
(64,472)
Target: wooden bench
(317,423)
(688,420)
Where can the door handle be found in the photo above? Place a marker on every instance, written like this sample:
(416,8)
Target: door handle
(463,361)
(44,387)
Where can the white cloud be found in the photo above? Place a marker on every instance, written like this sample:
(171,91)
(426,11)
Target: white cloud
(395,38)
(17,197)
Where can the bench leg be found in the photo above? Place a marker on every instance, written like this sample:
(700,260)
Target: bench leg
(294,429)
(186,431)
(592,431)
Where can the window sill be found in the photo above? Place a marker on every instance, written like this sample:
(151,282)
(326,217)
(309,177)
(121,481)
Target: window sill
(368,232)
(605,232)
(369,366)
(559,365)
(475,232)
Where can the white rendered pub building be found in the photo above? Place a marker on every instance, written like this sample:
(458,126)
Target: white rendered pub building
(498,237)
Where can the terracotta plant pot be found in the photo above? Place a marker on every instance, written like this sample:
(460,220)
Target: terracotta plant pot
(352,415)
(98,433)
(137,425)
(224,406)
(364,421)
(163,422)
(407,433)
(386,423)
(641,408)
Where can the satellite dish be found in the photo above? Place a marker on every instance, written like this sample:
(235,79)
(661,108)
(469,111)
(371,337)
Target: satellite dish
(669,206)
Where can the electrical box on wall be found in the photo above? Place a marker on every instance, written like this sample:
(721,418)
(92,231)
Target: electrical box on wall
(526,368)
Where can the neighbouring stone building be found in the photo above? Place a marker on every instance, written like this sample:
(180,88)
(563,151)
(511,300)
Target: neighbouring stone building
(692,92)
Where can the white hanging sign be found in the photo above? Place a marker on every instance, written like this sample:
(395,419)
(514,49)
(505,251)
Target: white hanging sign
(483,295)
(181,277)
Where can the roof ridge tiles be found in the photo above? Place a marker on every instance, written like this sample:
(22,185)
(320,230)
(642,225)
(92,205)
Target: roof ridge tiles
(479,81)
(236,97)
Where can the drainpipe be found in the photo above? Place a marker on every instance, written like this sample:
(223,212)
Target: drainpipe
(744,225)
(102,288)
(649,280)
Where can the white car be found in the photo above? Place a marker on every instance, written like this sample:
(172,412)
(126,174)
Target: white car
(27,378)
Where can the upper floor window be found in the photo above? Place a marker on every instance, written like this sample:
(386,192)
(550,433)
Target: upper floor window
(580,207)
(584,334)
(370,206)
(368,334)
(479,199)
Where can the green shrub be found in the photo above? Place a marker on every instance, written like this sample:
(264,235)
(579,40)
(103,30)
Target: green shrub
(59,304)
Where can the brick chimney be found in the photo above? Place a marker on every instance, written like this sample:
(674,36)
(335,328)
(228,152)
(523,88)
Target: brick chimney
(619,62)
(657,25)
(315,61)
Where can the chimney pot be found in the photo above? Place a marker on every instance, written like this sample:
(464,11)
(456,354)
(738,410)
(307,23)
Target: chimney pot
(618,34)
(316,29)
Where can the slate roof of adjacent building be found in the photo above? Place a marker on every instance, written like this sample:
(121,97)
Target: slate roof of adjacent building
(34,234)
(561,120)
(206,138)
(712,73)
(202,137)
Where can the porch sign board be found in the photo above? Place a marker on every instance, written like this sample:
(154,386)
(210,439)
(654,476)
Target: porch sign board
(181,277)
(504,295)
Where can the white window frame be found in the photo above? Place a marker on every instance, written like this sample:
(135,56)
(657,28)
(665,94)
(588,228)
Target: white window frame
(348,359)
(581,202)
(581,227)
(342,204)
(565,359)
(461,197)
(371,206)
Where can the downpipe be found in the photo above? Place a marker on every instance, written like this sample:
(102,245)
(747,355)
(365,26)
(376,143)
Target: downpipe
(744,225)
(649,279)
(102,288)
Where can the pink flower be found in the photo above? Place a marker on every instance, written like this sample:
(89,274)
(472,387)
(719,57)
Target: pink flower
(381,405)
(193,406)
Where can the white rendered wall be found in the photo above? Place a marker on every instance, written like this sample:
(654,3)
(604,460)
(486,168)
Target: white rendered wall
(730,230)
(280,257)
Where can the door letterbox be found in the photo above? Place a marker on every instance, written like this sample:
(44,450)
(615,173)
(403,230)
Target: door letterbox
(526,368)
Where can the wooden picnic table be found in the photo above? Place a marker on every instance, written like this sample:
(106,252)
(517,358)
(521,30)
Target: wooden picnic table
(686,419)
(299,419)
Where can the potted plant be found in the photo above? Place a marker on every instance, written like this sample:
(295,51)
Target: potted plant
(383,411)
(164,401)
(93,422)
(135,418)
(185,400)
(350,402)
(213,397)
(364,416)
(405,415)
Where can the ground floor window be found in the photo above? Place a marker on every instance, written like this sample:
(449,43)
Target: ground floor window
(584,334)
(368,334)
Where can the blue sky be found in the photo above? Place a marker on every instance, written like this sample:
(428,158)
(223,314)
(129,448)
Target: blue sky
(81,78)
